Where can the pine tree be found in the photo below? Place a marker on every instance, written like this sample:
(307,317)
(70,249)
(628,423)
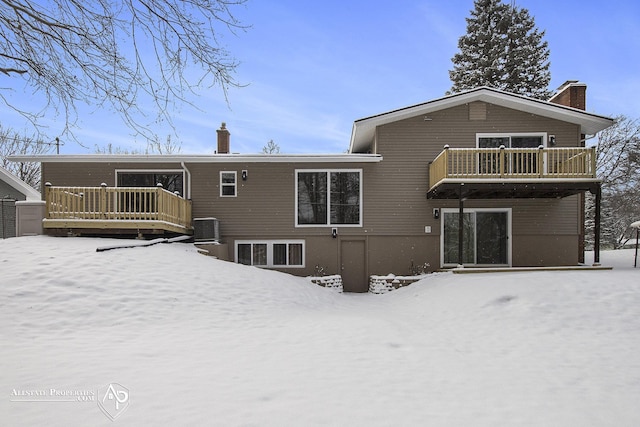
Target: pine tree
(502,49)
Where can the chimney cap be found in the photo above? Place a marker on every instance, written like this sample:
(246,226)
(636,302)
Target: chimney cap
(569,83)
(223,125)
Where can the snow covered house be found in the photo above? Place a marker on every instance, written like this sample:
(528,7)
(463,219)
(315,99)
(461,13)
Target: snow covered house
(509,171)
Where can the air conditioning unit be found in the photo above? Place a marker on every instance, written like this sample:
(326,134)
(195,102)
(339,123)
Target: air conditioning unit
(206,229)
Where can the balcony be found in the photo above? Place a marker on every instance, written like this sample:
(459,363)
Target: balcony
(117,210)
(512,172)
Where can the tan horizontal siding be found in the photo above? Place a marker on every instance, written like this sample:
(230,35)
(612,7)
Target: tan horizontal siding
(265,202)
(530,216)
(397,202)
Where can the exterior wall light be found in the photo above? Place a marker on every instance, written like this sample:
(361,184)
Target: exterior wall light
(245,173)
(334,232)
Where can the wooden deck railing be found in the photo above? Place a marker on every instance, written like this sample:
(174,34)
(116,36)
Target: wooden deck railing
(512,163)
(117,203)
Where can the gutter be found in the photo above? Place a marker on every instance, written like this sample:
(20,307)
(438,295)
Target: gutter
(217,158)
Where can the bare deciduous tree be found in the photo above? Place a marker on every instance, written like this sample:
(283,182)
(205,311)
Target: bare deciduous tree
(132,56)
(618,165)
(12,143)
(154,146)
(271,148)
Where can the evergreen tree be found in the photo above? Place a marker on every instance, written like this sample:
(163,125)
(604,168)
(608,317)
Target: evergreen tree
(502,49)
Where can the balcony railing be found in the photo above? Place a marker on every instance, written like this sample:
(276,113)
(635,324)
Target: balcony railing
(117,205)
(513,163)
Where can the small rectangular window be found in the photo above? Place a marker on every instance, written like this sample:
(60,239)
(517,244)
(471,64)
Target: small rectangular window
(295,254)
(271,253)
(279,254)
(228,181)
(244,254)
(260,254)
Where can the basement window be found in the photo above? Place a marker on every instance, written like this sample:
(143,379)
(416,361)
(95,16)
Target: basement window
(270,253)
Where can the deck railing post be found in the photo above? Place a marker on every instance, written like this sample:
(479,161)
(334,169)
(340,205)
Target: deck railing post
(446,162)
(540,161)
(47,199)
(502,160)
(103,200)
(159,210)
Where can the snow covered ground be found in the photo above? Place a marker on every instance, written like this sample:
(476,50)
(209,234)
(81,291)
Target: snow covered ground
(197,341)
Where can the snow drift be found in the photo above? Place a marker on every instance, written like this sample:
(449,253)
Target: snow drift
(197,341)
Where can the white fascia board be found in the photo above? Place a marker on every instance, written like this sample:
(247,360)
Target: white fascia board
(364,129)
(29,192)
(202,158)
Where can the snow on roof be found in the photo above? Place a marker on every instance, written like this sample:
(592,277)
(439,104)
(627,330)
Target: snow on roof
(15,182)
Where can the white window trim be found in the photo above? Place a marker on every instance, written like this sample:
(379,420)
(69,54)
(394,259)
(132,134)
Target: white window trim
(181,171)
(510,134)
(328,224)
(270,244)
(509,211)
(235,184)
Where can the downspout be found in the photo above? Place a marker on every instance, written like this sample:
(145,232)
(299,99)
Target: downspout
(188,192)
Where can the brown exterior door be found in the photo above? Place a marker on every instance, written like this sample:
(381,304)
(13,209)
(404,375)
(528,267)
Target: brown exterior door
(352,264)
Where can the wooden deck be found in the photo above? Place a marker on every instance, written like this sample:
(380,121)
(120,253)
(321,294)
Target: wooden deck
(513,164)
(114,209)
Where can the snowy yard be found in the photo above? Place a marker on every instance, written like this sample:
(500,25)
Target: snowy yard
(197,341)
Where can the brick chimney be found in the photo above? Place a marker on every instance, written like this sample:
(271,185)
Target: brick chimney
(572,93)
(223,139)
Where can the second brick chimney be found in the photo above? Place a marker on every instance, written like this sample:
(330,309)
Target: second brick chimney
(223,139)
(572,93)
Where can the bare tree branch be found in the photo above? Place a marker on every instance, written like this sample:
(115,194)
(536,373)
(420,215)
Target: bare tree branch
(12,143)
(618,165)
(131,57)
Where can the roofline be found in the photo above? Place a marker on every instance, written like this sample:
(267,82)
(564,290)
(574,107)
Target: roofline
(587,121)
(199,158)
(487,88)
(29,192)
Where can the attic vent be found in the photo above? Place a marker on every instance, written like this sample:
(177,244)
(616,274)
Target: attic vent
(477,111)
(206,229)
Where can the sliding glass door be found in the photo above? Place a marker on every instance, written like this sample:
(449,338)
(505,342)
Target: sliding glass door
(485,237)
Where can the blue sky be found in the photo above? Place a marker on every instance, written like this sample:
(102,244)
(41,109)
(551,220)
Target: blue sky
(312,68)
